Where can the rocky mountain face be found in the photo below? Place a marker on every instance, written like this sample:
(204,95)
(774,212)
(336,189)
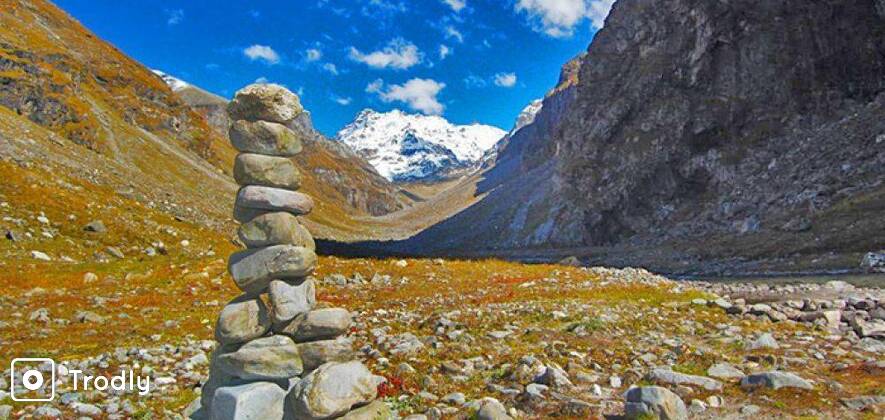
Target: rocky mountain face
(406,148)
(699,137)
(756,124)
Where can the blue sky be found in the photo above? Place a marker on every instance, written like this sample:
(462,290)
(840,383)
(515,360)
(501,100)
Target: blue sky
(467,60)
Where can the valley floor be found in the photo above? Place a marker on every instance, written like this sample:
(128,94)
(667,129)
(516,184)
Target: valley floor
(448,332)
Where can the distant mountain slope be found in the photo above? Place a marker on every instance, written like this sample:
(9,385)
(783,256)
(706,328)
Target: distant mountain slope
(716,137)
(406,147)
(348,185)
(209,105)
(106,120)
(59,75)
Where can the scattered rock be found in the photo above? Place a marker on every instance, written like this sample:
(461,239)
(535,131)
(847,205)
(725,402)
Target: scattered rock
(670,377)
(725,371)
(765,341)
(774,380)
(654,401)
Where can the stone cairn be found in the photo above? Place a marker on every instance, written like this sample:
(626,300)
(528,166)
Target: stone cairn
(280,355)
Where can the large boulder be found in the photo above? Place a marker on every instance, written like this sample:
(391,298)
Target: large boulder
(253,270)
(265,101)
(774,380)
(278,228)
(265,138)
(243,319)
(253,401)
(267,199)
(333,389)
(654,401)
(289,300)
(270,358)
(317,353)
(270,171)
(320,324)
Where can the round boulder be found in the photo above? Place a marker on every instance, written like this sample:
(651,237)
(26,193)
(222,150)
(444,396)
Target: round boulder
(265,101)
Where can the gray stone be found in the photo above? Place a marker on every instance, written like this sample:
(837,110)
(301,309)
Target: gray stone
(289,300)
(670,377)
(874,262)
(554,377)
(333,389)
(5,411)
(455,398)
(320,324)
(268,358)
(255,200)
(95,226)
(317,353)
(269,171)
(377,410)
(265,101)
(257,400)
(243,319)
(725,371)
(265,138)
(750,409)
(491,409)
(765,341)
(654,401)
(47,412)
(774,380)
(253,270)
(278,228)
(863,402)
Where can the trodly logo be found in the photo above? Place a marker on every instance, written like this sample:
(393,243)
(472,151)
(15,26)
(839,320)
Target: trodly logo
(33,384)
(30,384)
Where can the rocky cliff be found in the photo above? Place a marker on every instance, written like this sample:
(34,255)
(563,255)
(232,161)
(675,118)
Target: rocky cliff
(700,136)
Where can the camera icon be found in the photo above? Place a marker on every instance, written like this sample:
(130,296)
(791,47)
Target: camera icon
(32,384)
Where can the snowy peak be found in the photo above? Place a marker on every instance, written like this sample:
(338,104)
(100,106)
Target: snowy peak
(175,83)
(527,116)
(411,147)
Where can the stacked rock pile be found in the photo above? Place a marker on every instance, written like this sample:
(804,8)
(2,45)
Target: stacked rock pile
(280,355)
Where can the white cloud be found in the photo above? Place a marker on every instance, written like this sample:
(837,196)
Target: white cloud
(331,68)
(452,33)
(507,80)
(263,53)
(444,52)
(558,18)
(174,17)
(598,11)
(313,54)
(261,79)
(399,54)
(375,86)
(456,5)
(341,101)
(419,94)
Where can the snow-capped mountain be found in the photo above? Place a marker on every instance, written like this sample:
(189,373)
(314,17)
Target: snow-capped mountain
(527,116)
(408,147)
(175,83)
